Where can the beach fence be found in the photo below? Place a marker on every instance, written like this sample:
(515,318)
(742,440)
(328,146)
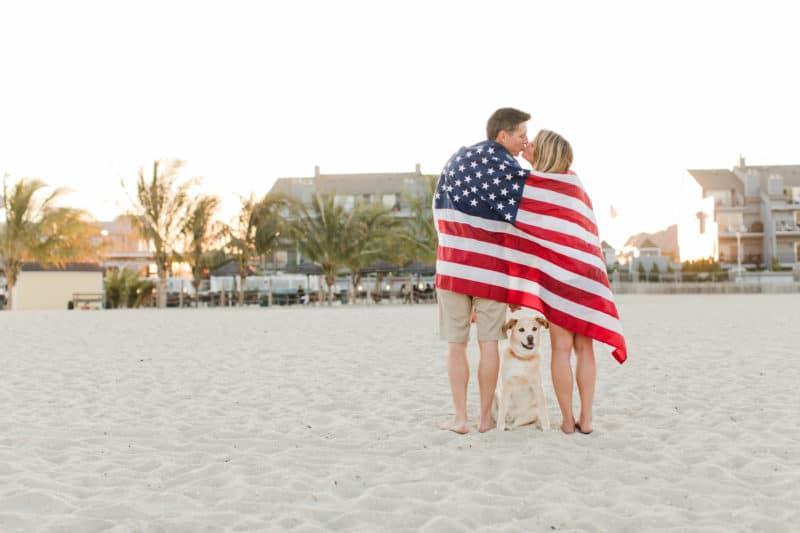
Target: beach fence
(726,282)
(291,289)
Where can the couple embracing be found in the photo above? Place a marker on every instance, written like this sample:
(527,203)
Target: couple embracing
(516,238)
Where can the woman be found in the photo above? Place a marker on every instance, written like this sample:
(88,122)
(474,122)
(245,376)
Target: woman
(550,153)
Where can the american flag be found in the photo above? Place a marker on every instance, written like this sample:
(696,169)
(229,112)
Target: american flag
(524,238)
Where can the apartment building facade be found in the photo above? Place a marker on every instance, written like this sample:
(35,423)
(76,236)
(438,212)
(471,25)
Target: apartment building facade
(391,190)
(757,213)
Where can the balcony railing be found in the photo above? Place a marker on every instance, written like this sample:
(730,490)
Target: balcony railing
(751,230)
(786,226)
(747,259)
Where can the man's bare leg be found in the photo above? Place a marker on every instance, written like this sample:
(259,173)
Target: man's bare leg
(586,376)
(458,373)
(487,382)
(561,341)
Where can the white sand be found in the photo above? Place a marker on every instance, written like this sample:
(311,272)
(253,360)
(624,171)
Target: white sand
(324,419)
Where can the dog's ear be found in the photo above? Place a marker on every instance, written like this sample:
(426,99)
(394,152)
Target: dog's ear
(545,324)
(510,324)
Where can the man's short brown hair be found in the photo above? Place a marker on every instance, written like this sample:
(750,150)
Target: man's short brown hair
(505,119)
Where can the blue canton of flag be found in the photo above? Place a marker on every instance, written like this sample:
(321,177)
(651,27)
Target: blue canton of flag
(482,180)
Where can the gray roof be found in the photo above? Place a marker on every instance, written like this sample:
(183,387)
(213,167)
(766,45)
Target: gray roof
(65,267)
(356,184)
(790,173)
(721,179)
(717,180)
(230,268)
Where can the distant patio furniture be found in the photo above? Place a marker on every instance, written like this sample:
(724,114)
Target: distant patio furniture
(87,300)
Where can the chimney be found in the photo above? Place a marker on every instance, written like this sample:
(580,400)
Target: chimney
(316,171)
(741,161)
(418,168)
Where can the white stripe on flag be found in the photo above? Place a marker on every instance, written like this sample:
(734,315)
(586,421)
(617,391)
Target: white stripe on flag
(504,281)
(559,225)
(496,226)
(572,179)
(562,200)
(515,256)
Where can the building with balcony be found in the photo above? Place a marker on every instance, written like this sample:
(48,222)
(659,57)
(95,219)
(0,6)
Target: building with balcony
(122,246)
(391,190)
(756,210)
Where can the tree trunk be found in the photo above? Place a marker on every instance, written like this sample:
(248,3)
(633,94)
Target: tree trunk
(162,289)
(379,286)
(11,280)
(355,280)
(242,277)
(329,281)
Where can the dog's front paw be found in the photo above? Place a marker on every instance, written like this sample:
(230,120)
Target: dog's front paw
(544,424)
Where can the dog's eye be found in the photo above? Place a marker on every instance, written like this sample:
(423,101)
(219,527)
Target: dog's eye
(534,329)
(521,330)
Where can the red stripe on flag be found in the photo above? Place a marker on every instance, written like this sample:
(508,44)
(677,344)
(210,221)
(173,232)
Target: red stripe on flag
(521,244)
(531,301)
(557,287)
(560,187)
(559,238)
(513,242)
(538,207)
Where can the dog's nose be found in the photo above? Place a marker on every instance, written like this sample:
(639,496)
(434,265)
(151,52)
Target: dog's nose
(530,339)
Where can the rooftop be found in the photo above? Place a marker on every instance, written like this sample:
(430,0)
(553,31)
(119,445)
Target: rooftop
(64,267)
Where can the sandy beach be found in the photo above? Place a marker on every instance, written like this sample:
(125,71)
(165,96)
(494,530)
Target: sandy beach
(325,419)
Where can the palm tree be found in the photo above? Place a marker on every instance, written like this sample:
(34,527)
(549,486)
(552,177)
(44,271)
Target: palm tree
(241,242)
(416,238)
(364,239)
(200,231)
(320,233)
(160,211)
(36,230)
(124,288)
(255,232)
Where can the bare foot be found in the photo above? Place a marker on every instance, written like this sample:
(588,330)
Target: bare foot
(568,428)
(459,427)
(583,428)
(483,428)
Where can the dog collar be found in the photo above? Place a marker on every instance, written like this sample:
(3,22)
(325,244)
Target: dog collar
(514,354)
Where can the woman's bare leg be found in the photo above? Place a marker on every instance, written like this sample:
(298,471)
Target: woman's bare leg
(561,341)
(586,376)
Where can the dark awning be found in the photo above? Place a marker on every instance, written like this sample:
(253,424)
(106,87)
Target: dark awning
(418,267)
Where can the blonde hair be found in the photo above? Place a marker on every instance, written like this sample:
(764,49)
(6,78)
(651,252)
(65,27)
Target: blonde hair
(552,153)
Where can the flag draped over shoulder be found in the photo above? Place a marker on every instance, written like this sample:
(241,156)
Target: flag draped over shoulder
(524,238)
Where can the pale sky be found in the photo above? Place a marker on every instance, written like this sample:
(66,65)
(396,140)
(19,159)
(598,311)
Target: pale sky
(247,92)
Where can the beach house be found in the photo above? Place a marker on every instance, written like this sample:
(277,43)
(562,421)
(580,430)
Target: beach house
(122,246)
(756,210)
(391,190)
(66,286)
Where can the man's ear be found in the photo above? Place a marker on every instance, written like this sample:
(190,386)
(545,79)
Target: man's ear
(510,324)
(545,324)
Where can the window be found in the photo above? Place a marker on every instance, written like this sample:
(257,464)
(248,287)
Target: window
(720,197)
(775,185)
(729,222)
(347,202)
(389,200)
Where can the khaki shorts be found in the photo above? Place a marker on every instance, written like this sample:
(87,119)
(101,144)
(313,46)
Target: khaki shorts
(455,311)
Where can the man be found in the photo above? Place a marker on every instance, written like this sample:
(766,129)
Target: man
(474,182)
